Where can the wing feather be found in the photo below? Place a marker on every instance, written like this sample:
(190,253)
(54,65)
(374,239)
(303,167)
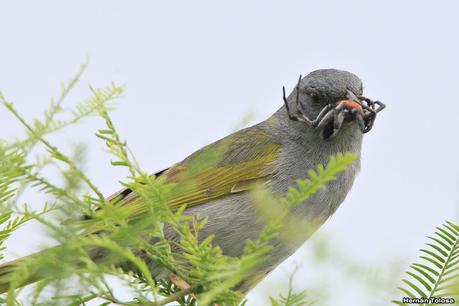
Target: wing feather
(231,165)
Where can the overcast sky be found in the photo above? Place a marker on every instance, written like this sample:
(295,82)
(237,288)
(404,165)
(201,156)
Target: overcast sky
(192,69)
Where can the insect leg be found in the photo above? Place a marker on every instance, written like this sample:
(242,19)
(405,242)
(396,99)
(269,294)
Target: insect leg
(324,112)
(361,122)
(338,121)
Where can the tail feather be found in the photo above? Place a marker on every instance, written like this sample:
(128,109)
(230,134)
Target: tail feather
(20,272)
(51,263)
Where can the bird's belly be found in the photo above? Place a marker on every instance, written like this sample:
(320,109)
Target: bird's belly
(232,221)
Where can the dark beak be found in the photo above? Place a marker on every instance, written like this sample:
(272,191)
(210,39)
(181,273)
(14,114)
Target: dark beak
(351,96)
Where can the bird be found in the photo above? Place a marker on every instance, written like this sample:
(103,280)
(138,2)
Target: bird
(325,114)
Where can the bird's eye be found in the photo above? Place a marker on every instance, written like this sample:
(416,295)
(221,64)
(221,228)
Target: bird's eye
(315,97)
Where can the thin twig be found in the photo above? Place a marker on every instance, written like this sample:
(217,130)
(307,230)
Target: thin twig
(54,149)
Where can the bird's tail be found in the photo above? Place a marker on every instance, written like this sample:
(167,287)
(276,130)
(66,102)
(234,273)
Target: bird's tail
(47,264)
(21,272)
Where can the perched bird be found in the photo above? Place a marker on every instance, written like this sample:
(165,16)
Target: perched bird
(325,114)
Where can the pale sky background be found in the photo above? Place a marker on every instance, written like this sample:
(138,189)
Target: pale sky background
(192,69)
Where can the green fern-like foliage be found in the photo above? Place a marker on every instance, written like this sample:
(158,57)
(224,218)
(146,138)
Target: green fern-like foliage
(292,298)
(437,275)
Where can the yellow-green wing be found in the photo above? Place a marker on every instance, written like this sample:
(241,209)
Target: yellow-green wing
(233,164)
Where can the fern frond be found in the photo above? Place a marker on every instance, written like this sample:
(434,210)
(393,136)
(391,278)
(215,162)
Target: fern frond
(438,273)
(11,170)
(292,298)
(100,97)
(49,124)
(10,226)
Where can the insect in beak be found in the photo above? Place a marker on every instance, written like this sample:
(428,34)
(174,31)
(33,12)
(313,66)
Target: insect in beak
(331,118)
(361,109)
(352,102)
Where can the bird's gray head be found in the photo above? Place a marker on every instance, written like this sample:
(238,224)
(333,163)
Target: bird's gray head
(326,86)
(330,99)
